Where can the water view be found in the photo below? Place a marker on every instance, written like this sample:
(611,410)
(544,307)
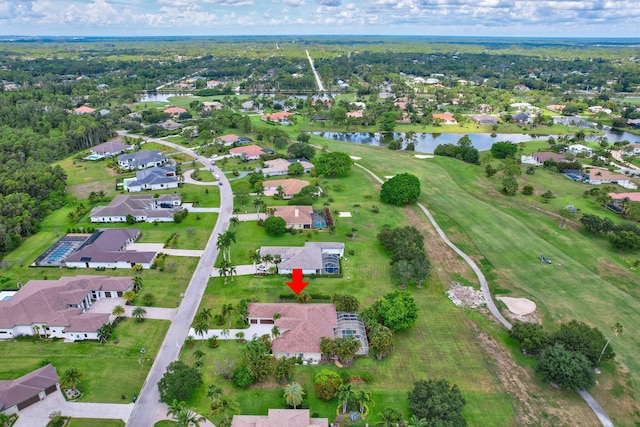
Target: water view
(427,142)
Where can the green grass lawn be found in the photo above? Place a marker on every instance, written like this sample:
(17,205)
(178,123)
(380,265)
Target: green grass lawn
(594,283)
(97,362)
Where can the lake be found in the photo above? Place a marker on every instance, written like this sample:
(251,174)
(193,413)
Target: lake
(427,142)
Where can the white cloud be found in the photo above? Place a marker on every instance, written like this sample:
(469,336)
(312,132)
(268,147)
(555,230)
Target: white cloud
(230,2)
(294,3)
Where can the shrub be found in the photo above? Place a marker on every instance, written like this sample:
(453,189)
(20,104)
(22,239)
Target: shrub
(242,378)
(327,384)
(527,190)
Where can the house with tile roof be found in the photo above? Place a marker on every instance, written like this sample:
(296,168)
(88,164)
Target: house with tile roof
(107,248)
(619,198)
(445,118)
(301,327)
(290,187)
(15,395)
(156,178)
(599,176)
(631,149)
(110,148)
(60,308)
(278,117)
(228,140)
(298,217)
(485,119)
(279,167)
(142,159)
(280,418)
(312,258)
(248,152)
(143,207)
(174,111)
(83,110)
(170,125)
(540,157)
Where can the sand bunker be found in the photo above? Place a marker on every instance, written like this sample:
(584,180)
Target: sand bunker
(519,306)
(344,214)
(423,156)
(355,158)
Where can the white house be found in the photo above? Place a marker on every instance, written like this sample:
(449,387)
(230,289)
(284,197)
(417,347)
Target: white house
(142,159)
(279,167)
(107,248)
(580,149)
(141,207)
(604,176)
(157,178)
(312,258)
(60,308)
(631,149)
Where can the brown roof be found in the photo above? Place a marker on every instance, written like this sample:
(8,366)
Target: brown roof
(543,156)
(282,165)
(13,392)
(307,257)
(47,301)
(108,247)
(247,150)
(443,116)
(289,186)
(607,175)
(229,138)
(280,418)
(294,214)
(174,110)
(633,197)
(301,325)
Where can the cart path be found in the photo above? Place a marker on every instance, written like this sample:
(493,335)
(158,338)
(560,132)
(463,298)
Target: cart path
(597,409)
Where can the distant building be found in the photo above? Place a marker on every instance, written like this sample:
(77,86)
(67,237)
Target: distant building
(142,159)
(157,178)
(109,148)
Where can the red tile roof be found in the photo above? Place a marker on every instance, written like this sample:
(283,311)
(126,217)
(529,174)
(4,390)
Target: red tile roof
(247,150)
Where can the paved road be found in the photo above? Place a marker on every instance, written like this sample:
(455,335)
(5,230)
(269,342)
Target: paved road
(148,404)
(597,409)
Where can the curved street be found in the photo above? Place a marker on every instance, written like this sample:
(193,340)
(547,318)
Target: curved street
(597,409)
(147,407)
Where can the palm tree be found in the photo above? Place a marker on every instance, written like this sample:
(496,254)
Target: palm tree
(255,258)
(275,332)
(344,395)
(200,328)
(222,243)
(229,236)
(293,394)
(139,313)
(204,316)
(128,296)
(414,421)
(227,309)
(390,417)
(224,269)
(137,283)
(225,404)
(234,220)
(118,311)
(257,203)
(183,415)
(36,329)
(71,378)
(363,398)
(104,333)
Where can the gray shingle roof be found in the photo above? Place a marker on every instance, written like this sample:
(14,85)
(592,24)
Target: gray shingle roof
(13,392)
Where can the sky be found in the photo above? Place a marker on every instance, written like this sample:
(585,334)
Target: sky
(517,18)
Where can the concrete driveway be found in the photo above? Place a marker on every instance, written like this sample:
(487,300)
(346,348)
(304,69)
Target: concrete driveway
(37,415)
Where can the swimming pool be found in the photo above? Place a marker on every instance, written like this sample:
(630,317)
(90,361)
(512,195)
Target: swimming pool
(93,157)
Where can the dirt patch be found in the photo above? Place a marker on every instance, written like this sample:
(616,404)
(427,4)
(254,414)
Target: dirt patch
(446,263)
(534,404)
(465,296)
(82,191)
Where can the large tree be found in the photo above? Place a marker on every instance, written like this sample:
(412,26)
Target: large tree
(333,164)
(569,369)
(346,349)
(397,310)
(531,336)
(582,338)
(503,149)
(327,384)
(437,402)
(179,382)
(380,341)
(401,189)
(275,225)
(301,150)
(344,302)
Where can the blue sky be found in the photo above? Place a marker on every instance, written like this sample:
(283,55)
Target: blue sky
(523,18)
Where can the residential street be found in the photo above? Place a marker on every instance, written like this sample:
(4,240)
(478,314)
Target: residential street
(146,409)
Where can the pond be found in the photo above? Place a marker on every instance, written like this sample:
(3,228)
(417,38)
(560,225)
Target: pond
(427,142)
(161,97)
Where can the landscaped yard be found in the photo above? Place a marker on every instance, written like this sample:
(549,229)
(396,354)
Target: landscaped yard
(109,370)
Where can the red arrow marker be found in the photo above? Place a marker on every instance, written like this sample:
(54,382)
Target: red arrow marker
(296,284)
